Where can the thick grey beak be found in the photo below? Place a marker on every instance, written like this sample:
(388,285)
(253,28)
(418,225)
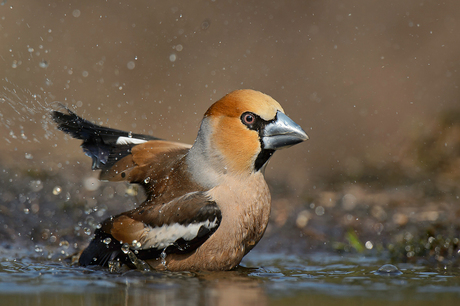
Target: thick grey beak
(282,133)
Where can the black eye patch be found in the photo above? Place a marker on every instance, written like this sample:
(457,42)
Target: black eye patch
(253,122)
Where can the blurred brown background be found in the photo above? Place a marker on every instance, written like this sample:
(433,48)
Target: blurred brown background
(359,76)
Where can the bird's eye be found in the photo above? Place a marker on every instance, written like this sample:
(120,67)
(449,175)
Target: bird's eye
(248,118)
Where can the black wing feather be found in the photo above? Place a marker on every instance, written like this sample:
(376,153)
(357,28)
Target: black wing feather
(102,250)
(99,143)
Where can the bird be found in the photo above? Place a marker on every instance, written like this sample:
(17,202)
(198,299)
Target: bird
(207,204)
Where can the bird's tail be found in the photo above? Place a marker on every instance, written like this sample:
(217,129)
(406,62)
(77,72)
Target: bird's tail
(104,145)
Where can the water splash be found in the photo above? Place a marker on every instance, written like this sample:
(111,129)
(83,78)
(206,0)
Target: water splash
(19,107)
(114,266)
(163,258)
(138,263)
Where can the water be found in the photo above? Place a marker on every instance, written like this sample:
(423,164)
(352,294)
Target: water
(263,279)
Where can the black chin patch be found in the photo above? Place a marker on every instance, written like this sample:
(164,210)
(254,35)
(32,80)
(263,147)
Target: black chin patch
(262,158)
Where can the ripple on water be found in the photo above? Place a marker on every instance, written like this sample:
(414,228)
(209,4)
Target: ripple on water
(275,276)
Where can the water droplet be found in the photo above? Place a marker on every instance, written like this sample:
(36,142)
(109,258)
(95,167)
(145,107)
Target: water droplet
(388,269)
(43,64)
(107,240)
(179,48)
(136,244)
(303,218)
(87,231)
(131,190)
(91,183)
(64,243)
(26,211)
(369,245)
(163,257)
(38,249)
(114,266)
(36,185)
(76,13)
(125,248)
(319,210)
(131,65)
(29,156)
(172,57)
(57,190)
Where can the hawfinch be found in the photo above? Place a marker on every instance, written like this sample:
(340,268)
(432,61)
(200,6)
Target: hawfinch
(207,204)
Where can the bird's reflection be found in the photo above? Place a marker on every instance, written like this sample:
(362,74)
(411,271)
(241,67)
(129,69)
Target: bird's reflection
(230,288)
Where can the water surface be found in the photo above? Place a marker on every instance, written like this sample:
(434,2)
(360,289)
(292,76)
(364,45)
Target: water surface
(263,279)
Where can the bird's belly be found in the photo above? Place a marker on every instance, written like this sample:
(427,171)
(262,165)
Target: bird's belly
(216,254)
(244,220)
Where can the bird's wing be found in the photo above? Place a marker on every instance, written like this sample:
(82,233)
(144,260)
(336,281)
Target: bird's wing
(118,153)
(143,161)
(179,226)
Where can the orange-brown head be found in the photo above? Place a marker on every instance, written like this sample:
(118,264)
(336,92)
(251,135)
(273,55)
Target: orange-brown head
(240,132)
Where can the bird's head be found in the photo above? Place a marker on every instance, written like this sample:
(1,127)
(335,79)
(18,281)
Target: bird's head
(240,132)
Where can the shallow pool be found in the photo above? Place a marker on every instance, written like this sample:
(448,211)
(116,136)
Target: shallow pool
(263,279)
